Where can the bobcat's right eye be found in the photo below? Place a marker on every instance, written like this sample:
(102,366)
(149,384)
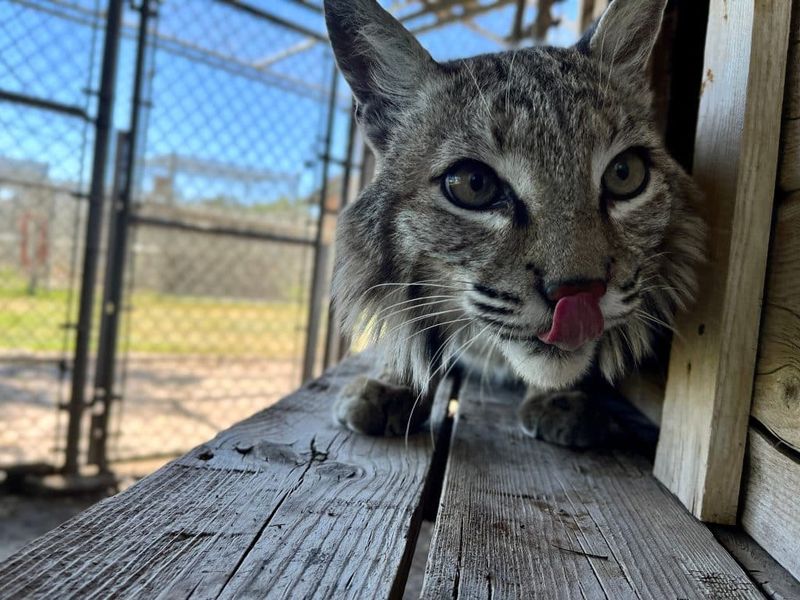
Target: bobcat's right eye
(471,184)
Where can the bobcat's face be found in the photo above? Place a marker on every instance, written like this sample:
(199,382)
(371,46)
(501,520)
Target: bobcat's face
(522,198)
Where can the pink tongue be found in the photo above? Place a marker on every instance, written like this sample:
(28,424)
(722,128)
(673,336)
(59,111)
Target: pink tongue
(576,320)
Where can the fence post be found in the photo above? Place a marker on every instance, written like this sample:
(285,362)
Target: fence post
(114,284)
(103,123)
(335,341)
(320,249)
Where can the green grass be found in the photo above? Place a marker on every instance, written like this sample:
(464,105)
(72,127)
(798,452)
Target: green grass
(159,324)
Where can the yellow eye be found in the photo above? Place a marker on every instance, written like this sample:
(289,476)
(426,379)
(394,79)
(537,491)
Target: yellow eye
(627,175)
(471,184)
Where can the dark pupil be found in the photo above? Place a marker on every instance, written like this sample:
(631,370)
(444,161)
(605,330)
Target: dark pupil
(476,182)
(622,170)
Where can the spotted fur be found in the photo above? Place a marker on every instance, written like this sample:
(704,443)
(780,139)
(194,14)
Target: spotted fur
(436,282)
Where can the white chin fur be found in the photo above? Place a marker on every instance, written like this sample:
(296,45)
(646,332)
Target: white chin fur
(546,372)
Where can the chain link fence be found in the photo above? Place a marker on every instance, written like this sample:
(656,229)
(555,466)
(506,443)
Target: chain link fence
(231,150)
(49,55)
(225,220)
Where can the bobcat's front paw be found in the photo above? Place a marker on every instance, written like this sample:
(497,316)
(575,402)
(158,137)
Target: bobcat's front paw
(569,418)
(376,407)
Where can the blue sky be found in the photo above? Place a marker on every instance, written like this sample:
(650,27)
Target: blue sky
(208,104)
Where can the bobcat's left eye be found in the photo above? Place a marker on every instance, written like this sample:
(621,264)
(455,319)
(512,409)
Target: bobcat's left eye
(471,184)
(627,175)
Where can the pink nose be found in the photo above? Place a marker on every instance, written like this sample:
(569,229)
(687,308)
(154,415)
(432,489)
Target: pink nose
(562,289)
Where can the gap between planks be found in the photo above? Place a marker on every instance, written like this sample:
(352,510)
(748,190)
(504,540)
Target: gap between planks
(524,519)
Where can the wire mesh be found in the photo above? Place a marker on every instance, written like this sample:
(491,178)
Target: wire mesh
(225,218)
(48,57)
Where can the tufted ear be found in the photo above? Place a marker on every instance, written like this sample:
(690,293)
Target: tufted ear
(383,63)
(624,36)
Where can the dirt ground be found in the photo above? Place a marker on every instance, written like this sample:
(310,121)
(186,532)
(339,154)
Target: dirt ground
(170,404)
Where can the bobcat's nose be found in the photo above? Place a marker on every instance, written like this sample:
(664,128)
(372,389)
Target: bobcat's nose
(561,289)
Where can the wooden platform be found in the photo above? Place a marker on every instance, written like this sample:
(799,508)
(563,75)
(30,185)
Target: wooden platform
(288,505)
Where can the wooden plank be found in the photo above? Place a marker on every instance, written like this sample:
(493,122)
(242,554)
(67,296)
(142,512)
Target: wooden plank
(776,393)
(789,175)
(791,109)
(790,156)
(520,518)
(285,504)
(771,512)
(645,390)
(589,11)
(598,8)
(710,382)
(585,14)
(795,35)
(773,580)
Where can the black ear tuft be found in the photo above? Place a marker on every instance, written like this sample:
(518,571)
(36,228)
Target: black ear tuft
(383,63)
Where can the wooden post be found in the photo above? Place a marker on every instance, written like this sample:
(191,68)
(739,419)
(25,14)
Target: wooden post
(709,388)
(589,11)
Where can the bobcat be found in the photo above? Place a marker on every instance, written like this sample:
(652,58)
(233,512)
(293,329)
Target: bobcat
(523,207)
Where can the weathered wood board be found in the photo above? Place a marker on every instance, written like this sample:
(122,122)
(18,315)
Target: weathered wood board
(795,34)
(776,394)
(283,505)
(789,178)
(645,390)
(520,518)
(710,382)
(791,107)
(771,502)
(774,581)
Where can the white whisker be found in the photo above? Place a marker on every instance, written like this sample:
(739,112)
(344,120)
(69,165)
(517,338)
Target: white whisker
(415,306)
(422,318)
(436,325)
(656,321)
(424,389)
(452,362)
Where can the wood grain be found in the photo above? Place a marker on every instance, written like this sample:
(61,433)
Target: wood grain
(589,11)
(599,8)
(285,504)
(795,34)
(776,393)
(585,14)
(790,156)
(710,382)
(771,505)
(789,174)
(773,580)
(645,390)
(521,518)
(791,109)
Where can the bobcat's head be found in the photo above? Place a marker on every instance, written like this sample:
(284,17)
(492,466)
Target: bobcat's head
(523,198)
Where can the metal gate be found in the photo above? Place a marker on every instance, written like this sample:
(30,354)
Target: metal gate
(220,197)
(170,228)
